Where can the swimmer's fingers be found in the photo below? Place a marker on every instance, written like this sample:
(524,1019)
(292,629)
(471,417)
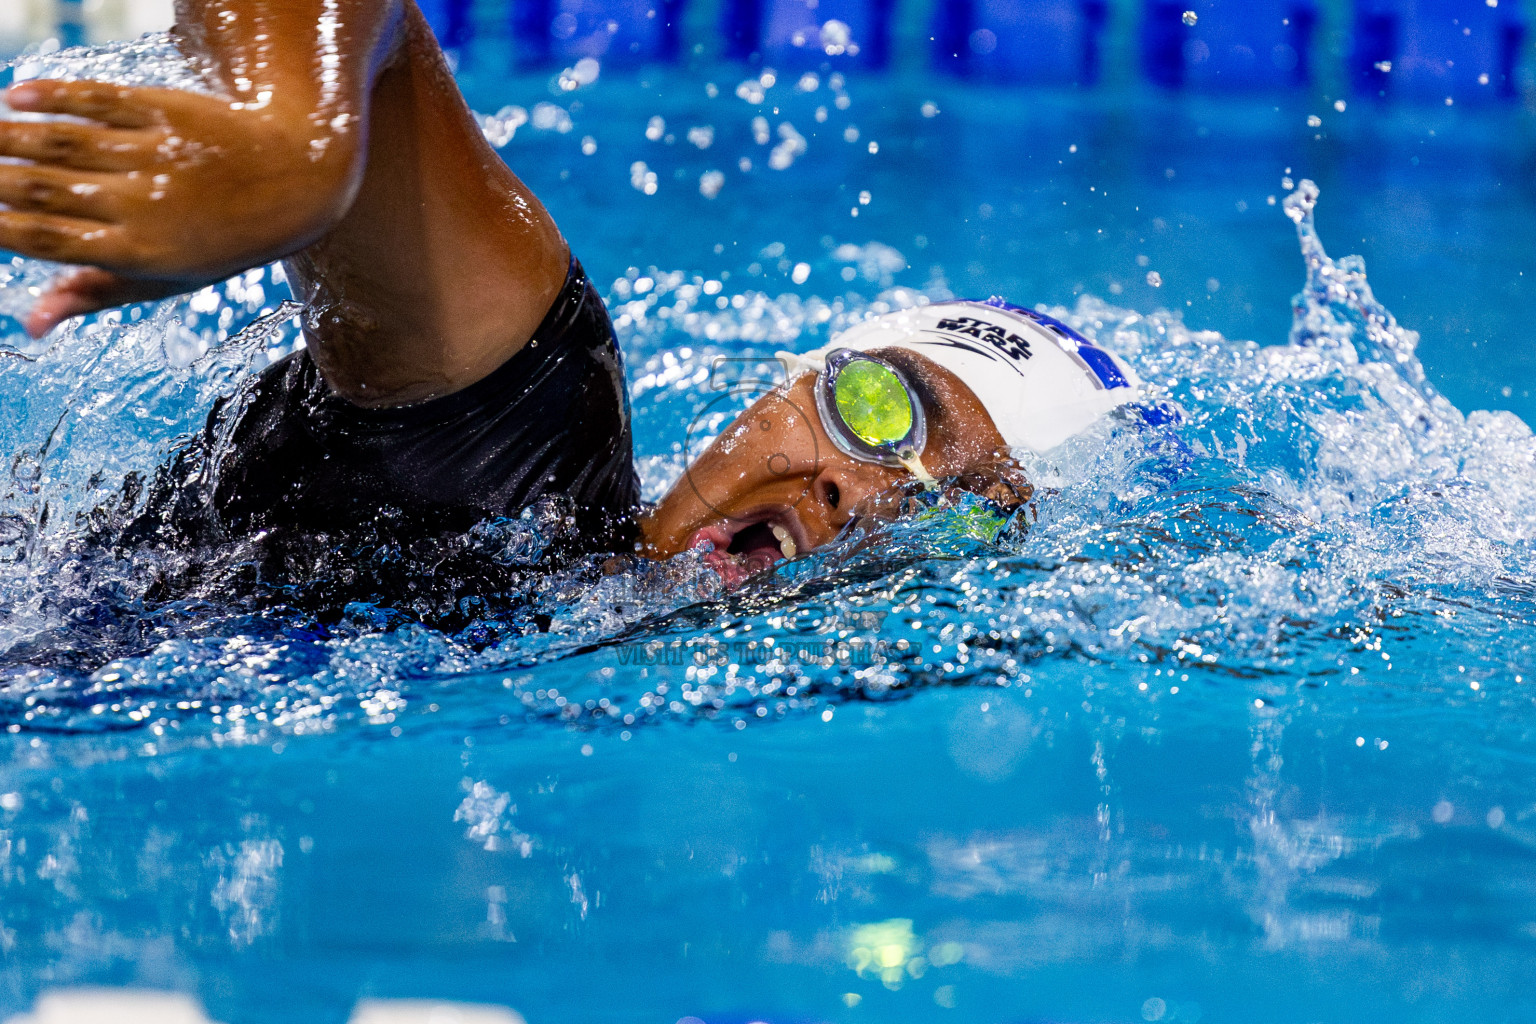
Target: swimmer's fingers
(62,239)
(32,188)
(83,146)
(90,290)
(118,105)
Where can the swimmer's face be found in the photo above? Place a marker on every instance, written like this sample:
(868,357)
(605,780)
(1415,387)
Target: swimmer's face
(773,485)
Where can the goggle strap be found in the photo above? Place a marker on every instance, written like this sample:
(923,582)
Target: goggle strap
(914,465)
(796,365)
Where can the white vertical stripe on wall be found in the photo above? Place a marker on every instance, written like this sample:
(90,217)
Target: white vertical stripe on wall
(24,21)
(13,20)
(150,16)
(126,19)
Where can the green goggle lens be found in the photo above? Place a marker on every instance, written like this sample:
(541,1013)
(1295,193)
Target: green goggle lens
(873,402)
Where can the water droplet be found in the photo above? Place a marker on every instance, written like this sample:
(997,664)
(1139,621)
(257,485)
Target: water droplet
(835,36)
(27,472)
(14,532)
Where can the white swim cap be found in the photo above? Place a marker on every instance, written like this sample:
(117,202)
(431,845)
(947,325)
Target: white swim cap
(1040,381)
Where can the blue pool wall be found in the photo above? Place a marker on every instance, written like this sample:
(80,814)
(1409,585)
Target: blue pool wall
(1408,50)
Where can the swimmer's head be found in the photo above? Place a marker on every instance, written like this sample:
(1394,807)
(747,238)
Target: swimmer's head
(946,391)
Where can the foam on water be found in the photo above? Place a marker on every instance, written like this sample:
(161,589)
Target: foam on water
(1315,494)
(1321,555)
(152,60)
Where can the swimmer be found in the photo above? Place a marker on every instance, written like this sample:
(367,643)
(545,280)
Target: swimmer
(459,364)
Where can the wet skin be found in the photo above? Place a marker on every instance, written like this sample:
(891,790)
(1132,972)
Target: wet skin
(775,471)
(340,144)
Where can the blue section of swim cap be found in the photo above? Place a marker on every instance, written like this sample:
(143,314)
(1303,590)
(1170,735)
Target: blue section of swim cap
(1103,366)
(1098,360)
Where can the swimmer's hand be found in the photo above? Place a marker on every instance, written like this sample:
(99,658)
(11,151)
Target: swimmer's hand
(157,192)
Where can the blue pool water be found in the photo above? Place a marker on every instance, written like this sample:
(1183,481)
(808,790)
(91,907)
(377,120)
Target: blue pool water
(1241,729)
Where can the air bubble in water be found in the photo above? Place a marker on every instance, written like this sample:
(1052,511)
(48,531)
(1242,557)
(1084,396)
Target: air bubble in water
(1190,17)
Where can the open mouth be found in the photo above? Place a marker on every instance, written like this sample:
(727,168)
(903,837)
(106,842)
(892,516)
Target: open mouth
(747,545)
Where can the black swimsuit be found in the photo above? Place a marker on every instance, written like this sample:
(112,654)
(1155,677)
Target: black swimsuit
(286,462)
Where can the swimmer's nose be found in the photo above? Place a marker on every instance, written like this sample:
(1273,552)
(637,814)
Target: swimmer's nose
(839,490)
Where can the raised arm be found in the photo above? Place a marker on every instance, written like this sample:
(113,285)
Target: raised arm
(166,191)
(341,144)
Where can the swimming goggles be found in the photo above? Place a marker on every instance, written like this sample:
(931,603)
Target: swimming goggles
(869,409)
